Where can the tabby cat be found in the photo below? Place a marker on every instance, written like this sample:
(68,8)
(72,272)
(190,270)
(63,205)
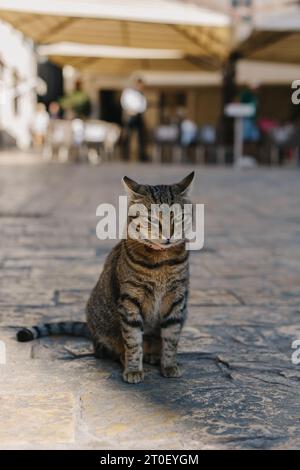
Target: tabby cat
(136,311)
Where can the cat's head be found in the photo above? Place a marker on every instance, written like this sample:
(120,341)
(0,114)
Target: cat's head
(148,212)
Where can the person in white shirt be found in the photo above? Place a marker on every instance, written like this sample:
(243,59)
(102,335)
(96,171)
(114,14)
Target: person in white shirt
(134,105)
(39,126)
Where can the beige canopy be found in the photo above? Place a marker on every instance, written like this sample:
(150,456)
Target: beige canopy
(152,24)
(274,46)
(127,66)
(276,37)
(121,60)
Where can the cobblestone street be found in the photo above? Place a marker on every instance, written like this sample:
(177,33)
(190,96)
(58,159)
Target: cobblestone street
(240,388)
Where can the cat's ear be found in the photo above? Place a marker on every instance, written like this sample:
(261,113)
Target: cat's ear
(134,188)
(184,187)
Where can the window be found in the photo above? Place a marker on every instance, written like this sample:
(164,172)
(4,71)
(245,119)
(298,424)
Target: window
(16,82)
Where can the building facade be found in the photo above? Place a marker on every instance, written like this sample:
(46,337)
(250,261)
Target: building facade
(18,76)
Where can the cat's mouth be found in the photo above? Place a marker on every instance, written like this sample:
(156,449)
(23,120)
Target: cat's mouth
(159,246)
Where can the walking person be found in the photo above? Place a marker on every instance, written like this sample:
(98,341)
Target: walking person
(134,105)
(39,126)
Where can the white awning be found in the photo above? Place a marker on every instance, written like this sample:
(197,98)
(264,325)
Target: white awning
(72,49)
(155,24)
(287,19)
(276,38)
(113,60)
(154,11)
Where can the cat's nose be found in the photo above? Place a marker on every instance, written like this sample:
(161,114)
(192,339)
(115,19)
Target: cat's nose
(168,241)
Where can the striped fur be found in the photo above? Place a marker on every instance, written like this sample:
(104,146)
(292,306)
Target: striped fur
(137,308)
(68,328)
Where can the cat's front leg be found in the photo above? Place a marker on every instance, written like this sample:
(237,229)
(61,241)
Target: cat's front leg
(171,326)
(132,333)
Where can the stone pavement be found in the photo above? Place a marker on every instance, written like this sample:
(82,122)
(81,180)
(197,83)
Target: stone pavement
(240,388)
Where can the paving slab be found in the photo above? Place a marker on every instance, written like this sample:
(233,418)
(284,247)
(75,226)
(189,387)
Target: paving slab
(240,388)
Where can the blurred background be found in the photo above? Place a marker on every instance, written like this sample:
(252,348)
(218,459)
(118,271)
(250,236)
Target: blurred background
(138,81)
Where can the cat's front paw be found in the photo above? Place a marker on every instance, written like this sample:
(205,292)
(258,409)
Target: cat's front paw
(133,376)
(171,371)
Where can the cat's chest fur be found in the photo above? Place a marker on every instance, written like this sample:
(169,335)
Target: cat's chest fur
(153,280)
(152,311)
(155,305)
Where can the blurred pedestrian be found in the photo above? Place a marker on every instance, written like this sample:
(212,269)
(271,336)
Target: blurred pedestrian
(188,132)
(251,130)
(54,110)
(134,105)
(39,126)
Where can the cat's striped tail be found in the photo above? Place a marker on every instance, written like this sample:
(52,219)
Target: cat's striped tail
(63,328)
